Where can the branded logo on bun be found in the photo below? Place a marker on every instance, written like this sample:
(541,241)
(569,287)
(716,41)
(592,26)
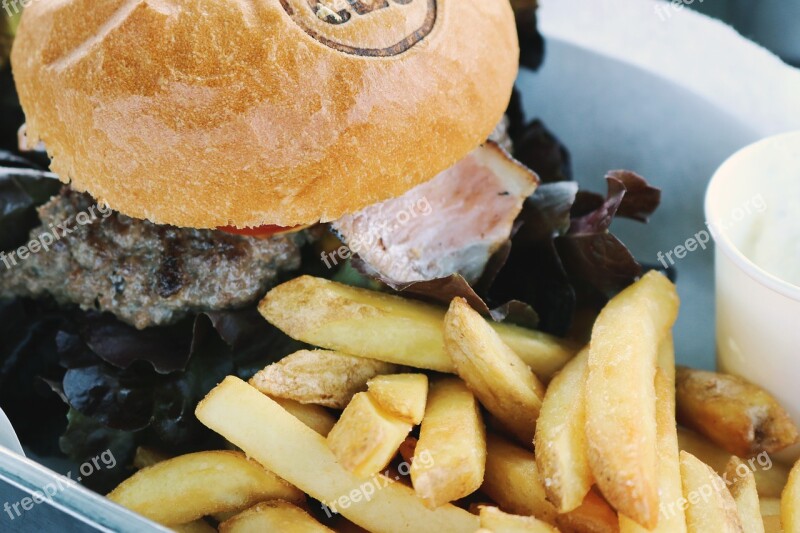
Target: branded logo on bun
(374,28)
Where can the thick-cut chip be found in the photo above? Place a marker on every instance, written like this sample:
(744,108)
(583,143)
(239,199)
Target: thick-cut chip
(742,485)
(495,520)
(770,476)
(769,506)
(503,383)
(320,377)
(790,502)
(297,453)
(560,441)
(188,487)
(277,516)
(514,482)
(620,395)
(771,514)
(403,395)
(366,437)
(672,518)
(593,516)
(736,415)
(454,438)
(314,416)
(390,328)
(772,524)
(709,505)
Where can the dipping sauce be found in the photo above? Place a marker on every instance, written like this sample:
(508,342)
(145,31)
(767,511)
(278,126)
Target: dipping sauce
(774,240)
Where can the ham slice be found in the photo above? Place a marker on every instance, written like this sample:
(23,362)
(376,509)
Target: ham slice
(450,225)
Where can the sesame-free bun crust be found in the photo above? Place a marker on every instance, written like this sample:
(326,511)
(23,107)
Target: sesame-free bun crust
(206,113)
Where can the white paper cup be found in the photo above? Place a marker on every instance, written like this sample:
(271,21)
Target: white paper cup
(758,314)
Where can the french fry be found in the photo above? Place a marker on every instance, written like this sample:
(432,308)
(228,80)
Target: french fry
(403,395)
(454,438)
(366,438)
(188,487)
(495,520)
(770,476)
(314,416)
(276,439)
(734,414)
(407,449)
(514,482)
(709,505)
(769,507)
(319,377)
(276,515)
(560,441)
(390,328)
(593,516)
(620,395)
(672,518)
(742,486)
(790,502)
(771,514)
(502,382)
(772,524)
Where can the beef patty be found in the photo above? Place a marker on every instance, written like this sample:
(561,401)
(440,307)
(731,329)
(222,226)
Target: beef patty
(145,274)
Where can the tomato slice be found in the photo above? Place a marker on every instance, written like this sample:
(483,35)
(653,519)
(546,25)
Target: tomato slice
(267,230)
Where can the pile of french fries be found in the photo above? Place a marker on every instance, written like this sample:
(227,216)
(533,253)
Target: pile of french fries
(414,418)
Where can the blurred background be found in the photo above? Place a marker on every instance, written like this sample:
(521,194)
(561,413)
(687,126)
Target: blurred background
(774,24)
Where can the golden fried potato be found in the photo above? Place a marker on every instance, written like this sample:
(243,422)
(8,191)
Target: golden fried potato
(709,505)
(390,328)
(188,487)
(769,507)
(496,521)
(594,515)
(734,414)
(319,377)
(314,416)
(502,382)
(454,438)
(621,399)
(277,516)
(790,502)
(514,482)
(281,442)
(770,476)
(560,441)
(403,395)
(672,518)
(742,486)
(366,437)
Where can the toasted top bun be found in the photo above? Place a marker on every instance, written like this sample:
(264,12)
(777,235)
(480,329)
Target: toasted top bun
(207,113)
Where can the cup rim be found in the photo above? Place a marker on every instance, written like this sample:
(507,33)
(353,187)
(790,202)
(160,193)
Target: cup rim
(723,240)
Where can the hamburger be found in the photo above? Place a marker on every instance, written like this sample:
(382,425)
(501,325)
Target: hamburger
(201,152)
(280,117)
